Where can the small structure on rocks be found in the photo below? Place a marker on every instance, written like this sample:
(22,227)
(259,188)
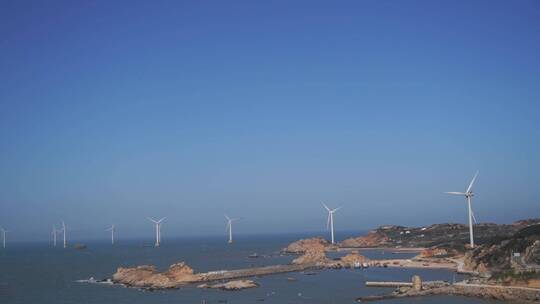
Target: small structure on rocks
(416,283)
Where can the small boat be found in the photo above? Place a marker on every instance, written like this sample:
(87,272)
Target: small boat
(253,256)
(291,279)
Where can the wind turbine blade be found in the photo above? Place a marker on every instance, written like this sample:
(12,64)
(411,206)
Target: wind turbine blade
(152,220)
(456,193)
(228,218)
(337,209)
(472,182)
(474,218)
(161,219)
(326,207)
(228,226)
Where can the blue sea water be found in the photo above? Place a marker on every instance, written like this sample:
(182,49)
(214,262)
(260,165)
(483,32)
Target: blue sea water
(39,273)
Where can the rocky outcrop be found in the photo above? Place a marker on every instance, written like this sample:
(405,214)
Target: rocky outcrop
(502,293)
(500,255)
(180,274)
(532,253)
(312,257)
(311,244)
(372,239)
(231,285)
(353,259)
(142,276)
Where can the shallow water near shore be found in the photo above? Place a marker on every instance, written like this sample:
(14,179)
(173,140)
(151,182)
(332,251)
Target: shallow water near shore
(38,273)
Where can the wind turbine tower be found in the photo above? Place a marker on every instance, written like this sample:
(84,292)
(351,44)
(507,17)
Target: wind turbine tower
(468,195)
(64,230)
(4,237)
(158,230)
(54,234)
(112,230)
(330,221)
(229,227)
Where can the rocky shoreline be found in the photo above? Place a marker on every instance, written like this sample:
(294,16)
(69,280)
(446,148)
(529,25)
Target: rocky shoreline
(503,293)
(178,275)
(311,255)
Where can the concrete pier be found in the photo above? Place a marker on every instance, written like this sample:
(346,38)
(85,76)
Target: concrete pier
(388,284)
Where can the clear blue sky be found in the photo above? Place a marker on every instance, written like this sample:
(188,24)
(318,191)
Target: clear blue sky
(112,111)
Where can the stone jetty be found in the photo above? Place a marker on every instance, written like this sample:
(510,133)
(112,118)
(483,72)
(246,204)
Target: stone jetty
(181,274)
(417,288)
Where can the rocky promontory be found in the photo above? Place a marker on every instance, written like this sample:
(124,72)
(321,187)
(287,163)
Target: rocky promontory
(148,276)
(314,244)
(312,257)
(514,260)
(353,259)
(453,237)
(374,238)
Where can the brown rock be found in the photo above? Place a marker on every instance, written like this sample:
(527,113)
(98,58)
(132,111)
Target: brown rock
(315,257)
(311,244)
(148,276)
(372,239)
(180,272)
(142,276)
(353,258)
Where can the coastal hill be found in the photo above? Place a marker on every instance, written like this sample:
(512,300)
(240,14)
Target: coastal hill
(451,236)
(512,260)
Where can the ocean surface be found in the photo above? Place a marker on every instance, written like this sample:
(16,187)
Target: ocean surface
(39,273)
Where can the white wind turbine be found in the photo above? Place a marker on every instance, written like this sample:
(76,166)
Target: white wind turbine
(469,194)
(64,230)
(112,230)
(158,230)
(4,237)
(54,234)
(330,221)
(229,226)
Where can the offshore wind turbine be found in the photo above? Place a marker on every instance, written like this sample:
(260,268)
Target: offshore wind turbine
(4,231)
(229,226)
(330,221)
(468,195)
(111,229)
(54,234)
(64,230)
(158,230)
